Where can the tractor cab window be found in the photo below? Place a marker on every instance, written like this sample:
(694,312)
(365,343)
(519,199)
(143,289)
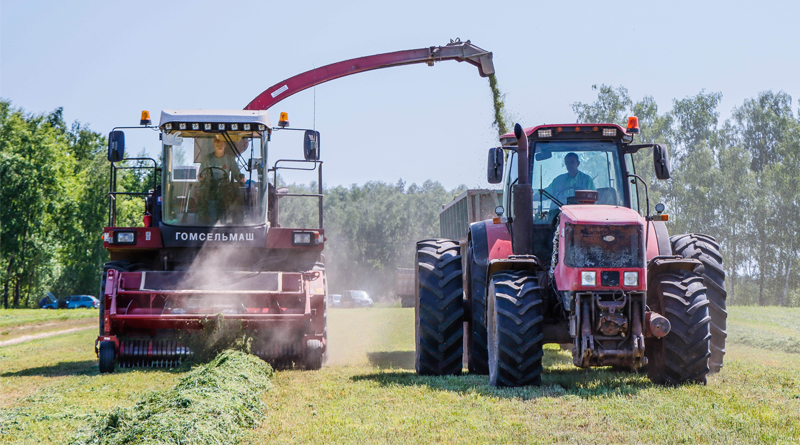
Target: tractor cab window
(562,167)
(214,180)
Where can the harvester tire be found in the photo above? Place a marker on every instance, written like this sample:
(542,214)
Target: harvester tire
(478,353)
(439,324)
(105,357)
(515,329)
(706,249)
(682,355)
(313,357)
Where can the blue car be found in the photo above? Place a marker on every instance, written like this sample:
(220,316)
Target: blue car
(83,301)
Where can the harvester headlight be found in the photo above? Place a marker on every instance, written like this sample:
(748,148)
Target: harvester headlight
(610,132)
(220,126)
(234,127)
(195,126)
(246,127)
(302,238)
(207,127)
(631,278)
(182,126)
(168,126)
(545,133)
(588,278)
(125,237)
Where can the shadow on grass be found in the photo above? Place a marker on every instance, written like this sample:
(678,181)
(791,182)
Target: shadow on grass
(86,367)
(560,378)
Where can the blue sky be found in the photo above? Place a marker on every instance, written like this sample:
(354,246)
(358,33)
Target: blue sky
(104,62)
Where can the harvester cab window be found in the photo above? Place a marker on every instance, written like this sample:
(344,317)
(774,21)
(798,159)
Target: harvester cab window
(560,168)
(214,179)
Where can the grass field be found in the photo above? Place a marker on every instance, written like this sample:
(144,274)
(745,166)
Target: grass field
(50,389)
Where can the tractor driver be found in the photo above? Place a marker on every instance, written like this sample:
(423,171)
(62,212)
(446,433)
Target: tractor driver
(564,185)
(219,175)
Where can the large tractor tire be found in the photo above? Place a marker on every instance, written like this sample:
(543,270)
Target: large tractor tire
(478,351)
(682,355)
(706,249)
(313,355)
(515,329)
(439,308)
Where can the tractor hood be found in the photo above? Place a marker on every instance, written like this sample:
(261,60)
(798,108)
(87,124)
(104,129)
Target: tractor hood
(599,214)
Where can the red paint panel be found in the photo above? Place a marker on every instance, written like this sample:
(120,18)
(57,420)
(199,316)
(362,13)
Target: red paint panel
(652,242)
(600,215)
(499,240)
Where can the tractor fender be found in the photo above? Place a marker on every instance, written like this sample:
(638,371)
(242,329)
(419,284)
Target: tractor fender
(662,238)
(498,240)
(527,263)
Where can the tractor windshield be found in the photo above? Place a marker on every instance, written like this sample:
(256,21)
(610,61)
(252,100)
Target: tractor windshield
(561,167)
(214,180)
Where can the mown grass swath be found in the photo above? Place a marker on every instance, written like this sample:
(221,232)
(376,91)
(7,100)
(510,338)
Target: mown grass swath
(215,403)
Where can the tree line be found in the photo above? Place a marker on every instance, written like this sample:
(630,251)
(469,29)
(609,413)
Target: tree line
(736,180)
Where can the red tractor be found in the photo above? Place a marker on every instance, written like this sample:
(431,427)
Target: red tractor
(578,260)
(212,257)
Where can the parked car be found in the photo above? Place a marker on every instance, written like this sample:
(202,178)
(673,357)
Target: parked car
(83,301)
(60,303)
(355,298)
(334,300)
(48,300)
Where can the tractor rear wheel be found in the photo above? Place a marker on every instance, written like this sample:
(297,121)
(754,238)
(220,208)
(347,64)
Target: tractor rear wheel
(515,329)
(478,352)
(682,355)
(706,249)
(439,308)
(313,356)
(106,357)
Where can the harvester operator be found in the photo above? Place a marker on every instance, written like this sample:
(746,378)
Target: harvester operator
(564,185)
(219,175)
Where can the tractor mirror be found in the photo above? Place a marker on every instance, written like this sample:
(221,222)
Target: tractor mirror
(116,146)
(311,145)
(495,166)
(661,161)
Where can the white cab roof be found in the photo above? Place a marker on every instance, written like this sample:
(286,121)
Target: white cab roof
(215,116)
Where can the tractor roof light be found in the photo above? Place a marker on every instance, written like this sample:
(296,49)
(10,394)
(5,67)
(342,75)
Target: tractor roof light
(284,120)
(145,118)
(633,125)
(545,133)
(609,132)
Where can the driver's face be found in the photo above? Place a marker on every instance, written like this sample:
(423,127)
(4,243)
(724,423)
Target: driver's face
(572,164)
(219,147)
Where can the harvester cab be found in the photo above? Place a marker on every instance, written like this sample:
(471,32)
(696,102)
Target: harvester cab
(574,257)
(211,260)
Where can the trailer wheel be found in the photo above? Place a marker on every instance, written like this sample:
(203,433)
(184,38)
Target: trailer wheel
(106,356)
(439,324)
(682,355)
(515,329)
(478,353)
(313,356)
(706,249)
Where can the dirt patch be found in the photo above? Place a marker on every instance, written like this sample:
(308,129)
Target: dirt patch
(30,337)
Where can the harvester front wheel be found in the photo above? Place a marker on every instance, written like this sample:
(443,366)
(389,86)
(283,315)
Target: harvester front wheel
(682,355)
(313,356)
(105,355)
(515,329)
(439,308)
(706,249)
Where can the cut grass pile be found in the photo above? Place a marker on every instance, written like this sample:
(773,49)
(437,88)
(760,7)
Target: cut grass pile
(214,403)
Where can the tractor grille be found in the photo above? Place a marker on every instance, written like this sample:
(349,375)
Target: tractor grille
(606,246)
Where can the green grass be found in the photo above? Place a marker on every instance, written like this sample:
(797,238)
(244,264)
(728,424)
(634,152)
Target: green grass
(13,318)
(368,393)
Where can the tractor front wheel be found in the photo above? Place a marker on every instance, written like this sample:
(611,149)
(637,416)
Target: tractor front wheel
(515,329)
(439,309)
(682,355)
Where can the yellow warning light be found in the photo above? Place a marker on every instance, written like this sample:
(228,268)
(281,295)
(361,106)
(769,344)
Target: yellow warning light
(633,125)
(284,120)
(145,118)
